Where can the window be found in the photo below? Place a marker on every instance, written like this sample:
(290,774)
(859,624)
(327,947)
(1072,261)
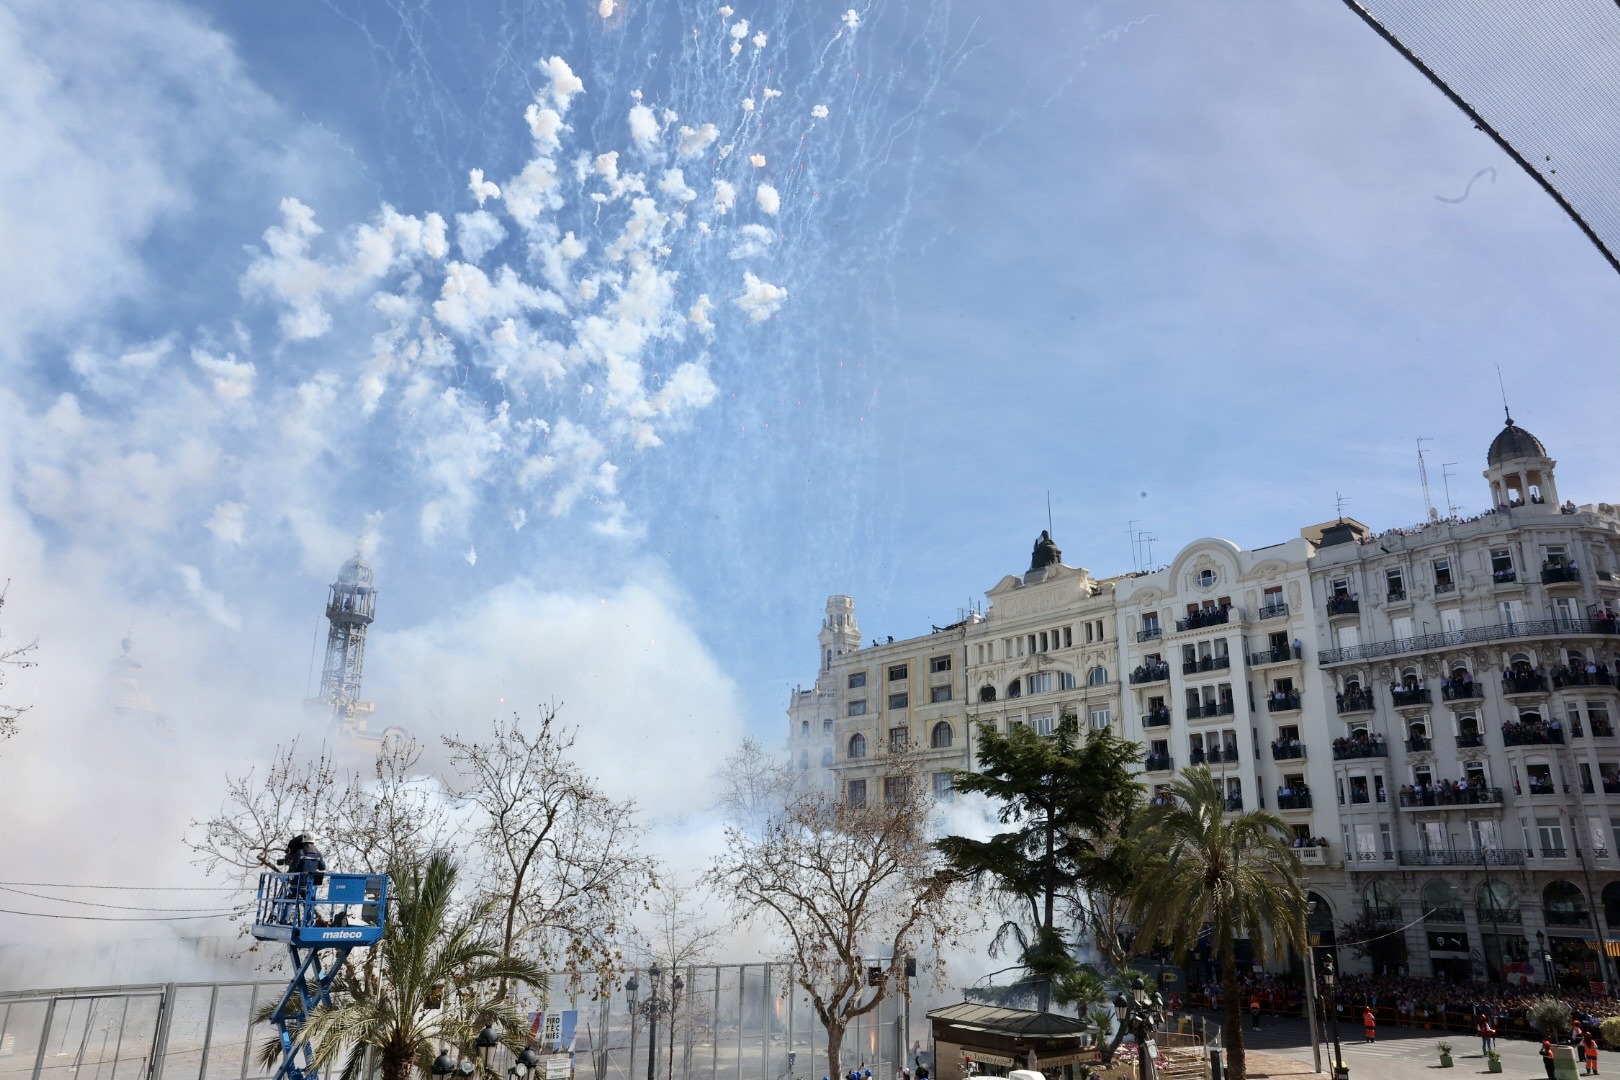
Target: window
(1066,680)
(944,790)
(1015,688)
(900,700)
(939,693)
(857,679)
(1339,589)
(1502,564)
(857,707)
(1395,583)
(1442,576)
(1150,624)
(897,738)
(1097,676)
(1206,578)
(897,672)
(804,729)
(895,788)
(857,794)
(857,745)
(1553,555)
(1550,831)
(940,738)
(939,664)
(1100,718)
(1040,682)
(1041,722)
(826,729)
(1068,637)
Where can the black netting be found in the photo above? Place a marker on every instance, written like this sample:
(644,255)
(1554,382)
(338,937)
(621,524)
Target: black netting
(1541,78)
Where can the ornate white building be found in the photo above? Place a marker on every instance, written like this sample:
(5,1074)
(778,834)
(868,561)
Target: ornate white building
(1431,711)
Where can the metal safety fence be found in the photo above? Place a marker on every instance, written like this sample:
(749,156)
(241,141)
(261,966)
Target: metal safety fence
(725,1022)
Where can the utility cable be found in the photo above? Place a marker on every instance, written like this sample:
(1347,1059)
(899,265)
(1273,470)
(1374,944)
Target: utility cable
(132,888)
(115,907)
(125,918)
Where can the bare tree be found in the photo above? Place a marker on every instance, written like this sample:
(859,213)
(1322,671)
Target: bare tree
(752,786)
(564,856)
(839,881)
(15,657)
(680,935)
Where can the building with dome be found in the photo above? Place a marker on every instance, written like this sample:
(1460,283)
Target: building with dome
(1431,710)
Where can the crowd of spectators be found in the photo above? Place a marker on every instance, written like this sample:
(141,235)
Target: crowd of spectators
(1449,793)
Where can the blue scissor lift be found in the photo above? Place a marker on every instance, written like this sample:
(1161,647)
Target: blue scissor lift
(308,918)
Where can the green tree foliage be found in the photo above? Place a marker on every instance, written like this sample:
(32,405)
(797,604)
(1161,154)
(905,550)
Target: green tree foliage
(1550,1016)
(433,950)
(1066,797)
(1201,871)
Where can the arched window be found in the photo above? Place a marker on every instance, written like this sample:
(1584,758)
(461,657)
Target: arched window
(1611,904)
(987,693)
(1496,898)
(804,728)
(1382,900)
(940,737)
(1442,901)
(857,745)
(1563,904)
(1015,688)
(1097,676)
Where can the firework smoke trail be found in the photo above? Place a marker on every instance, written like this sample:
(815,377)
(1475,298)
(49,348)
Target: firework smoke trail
(753,142)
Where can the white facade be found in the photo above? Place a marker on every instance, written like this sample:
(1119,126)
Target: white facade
(1437,704)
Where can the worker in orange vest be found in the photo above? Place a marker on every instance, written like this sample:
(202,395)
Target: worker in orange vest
(1369,1024)
(1591,1054)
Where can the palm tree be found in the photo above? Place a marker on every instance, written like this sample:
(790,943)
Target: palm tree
(1203,871)
(432,982)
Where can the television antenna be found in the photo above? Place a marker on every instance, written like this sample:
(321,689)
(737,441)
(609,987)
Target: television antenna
(1423,475)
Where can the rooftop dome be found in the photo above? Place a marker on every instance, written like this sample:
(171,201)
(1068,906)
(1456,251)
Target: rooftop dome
(356,572)
(1513,442)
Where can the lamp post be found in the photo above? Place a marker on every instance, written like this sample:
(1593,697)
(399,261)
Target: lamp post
(631,988)
(1544,954)
(523,1063)
(1330,983)
(488,1039)
(1140,1013)
(1310,986)
(443,1065)
(654,974)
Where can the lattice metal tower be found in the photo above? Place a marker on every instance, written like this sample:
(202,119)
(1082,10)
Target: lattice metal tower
(351,604)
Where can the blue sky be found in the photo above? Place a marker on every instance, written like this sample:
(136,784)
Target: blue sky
(1199,264)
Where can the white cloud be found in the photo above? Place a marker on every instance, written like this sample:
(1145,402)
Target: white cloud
(482,189)
(545,127)
(288,274)
(564,83)
(698,314)
(228,522)
(757,160)
(696,140)
(752,240)
(760,299)
(759,40)
(605,9)
(819,112)
(852,19)
(674,184)
(477,234)
(469,299)
(725,196)
(643,128)
(232,379)
(212,603)
(739,29)
(769,200)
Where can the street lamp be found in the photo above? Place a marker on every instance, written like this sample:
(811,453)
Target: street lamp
(1330,983)
(488,1040)
(1545,956)
(1140,1013)
(443,1065)
(631,987)
(676,985)
(654,973)
(1310,986)
(525,1061)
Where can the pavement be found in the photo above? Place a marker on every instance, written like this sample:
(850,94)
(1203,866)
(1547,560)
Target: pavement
(1282,1048)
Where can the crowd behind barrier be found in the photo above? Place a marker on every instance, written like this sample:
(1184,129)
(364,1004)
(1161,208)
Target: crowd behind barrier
(1401,1001)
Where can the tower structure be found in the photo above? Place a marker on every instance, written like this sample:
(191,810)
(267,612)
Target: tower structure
(351,604)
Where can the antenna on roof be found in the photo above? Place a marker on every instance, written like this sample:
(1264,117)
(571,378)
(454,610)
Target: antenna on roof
(1339,501)
(1503,387)
(1136,547)
(1048,511)
(1445,475)
(1423,475)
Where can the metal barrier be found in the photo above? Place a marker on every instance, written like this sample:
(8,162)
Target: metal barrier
(729,1022)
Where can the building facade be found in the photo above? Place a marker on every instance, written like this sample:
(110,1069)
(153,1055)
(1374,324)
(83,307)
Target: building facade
(1431,711)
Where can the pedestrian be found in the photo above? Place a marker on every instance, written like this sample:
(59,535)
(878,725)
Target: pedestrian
(1254,1011)
(1591,1049)
(1369,1025)
(1547,1058)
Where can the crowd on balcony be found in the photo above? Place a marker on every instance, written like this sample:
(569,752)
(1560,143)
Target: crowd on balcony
(1295,796)
(1150,671)
(1532,732)
(1361,744)
(1409,691)
(1520,678)
(1308,842)
(1604,619)
(1286,749)
(1208,616)
(1283,700)
(1354,698)
(1449,792)
(1459,685)
(1593,673)
(1156,762)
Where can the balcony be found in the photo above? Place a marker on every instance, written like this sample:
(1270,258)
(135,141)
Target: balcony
(1351,749)
(1396,596)
(1566,917)
(1272,611)
(1561,679)
(1470,739)
(1611,787)
(1406,698)
(1560,575)
(1418,744)
(1602,728)
(1206,617)
(1541,787)
(1497,916)
(1234,803)
(1206,663)
(1476,857)
(1311,856)
(1509,576)
(1514,631)
(1356,701)
(1460,692)
(1156,718)
(1555,853)
(1369,860)
(1150,673)
(1283,702)
(1343,605)
(1159,763)
(1444,586)
(1360,797)
(1152,633)
(1290,751)
(1412,799)
(1297,801)
(1213,708)
(1197,758)
(1524,684)
(1444,914)
(1228,755)
(1272,656)
(1516,734)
